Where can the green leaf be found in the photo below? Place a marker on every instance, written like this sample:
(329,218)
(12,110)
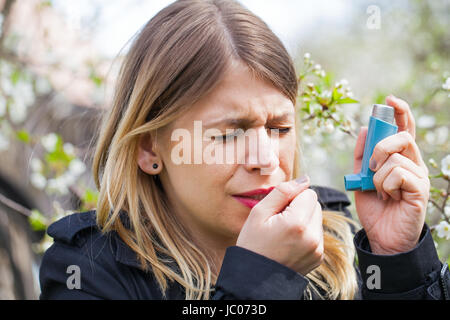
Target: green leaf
(328,79)
(336,95)
(58,156)
(436,190)
(46,3)
(380,97)
(346,100)
(89,199)
(37,220)
(95,78)
(15,76)
(439,175)
(90,195)
(23,136)
(323,101)
(306,107)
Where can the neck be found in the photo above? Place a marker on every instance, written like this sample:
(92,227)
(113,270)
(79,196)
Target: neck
(214,247)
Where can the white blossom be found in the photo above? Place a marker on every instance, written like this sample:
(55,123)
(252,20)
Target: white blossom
(2,106)
(307,139)
(430,137)
(326,94)
(430,207)
(446,84)
(49,142)
(18,110)
(42,85)
(310,85)
(4,142)
(57,185)
(329,127)
(443,230)
(432,162)
(437,137)
(341,83)
(441,135)
(6,84)
(24,90)
(447,211)
(307,56)
(36,165)
(426,121)
(38,180)
(69,148)
(67,178)
(445,165)
(77,167)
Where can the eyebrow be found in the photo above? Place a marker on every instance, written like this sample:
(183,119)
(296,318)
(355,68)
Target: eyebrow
(247,122)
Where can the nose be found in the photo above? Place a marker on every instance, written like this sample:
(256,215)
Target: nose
(262,152)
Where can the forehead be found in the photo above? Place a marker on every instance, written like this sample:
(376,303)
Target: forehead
(240,94)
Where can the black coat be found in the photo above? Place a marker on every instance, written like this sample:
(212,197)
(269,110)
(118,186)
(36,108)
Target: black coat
(109,269)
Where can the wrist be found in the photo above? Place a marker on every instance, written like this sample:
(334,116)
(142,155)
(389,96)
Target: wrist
(377,248)
(401,272)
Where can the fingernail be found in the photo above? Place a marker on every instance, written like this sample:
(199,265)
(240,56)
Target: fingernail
(372,164)
(302,179)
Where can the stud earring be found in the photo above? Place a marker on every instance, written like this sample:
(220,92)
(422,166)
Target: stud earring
(155,166)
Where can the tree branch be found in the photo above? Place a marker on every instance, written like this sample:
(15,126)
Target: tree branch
(14,205)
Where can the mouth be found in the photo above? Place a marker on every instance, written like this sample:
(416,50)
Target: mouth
(251,198)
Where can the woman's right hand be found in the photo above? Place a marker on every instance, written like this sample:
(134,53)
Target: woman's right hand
(286,226)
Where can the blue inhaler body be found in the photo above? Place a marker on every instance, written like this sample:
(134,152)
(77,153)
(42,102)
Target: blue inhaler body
(381,125)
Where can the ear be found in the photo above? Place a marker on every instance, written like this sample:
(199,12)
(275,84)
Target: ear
(148,158)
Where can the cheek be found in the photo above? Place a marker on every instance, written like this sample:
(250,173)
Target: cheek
(202,200)
(200,189)
(287,153)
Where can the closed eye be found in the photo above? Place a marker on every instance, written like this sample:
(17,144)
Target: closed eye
(282,130)
(237,133)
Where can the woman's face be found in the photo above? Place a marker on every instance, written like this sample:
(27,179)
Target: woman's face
(203,191)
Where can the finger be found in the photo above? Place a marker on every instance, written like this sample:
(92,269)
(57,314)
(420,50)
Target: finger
(314,234)
(359,150)
(279,198)
(316,221)
(396,160)
(403,115)
(402,143)
(401,180)
(302,207)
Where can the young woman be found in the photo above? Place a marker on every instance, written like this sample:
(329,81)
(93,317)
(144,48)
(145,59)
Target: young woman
(176,221)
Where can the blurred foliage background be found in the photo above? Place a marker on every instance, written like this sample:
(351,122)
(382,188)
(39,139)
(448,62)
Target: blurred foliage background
(54,85)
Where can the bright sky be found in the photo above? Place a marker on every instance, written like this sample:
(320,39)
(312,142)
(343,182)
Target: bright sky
(118,20)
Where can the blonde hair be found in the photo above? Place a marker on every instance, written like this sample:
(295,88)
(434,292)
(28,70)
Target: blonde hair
(175,60)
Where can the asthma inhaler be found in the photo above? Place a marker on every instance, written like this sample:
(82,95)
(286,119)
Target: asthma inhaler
(381,125)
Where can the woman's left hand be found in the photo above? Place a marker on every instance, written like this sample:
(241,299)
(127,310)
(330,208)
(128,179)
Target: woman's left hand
(394,215)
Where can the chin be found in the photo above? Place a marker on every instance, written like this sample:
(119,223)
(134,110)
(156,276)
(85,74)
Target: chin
(233,229)
(231,225)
